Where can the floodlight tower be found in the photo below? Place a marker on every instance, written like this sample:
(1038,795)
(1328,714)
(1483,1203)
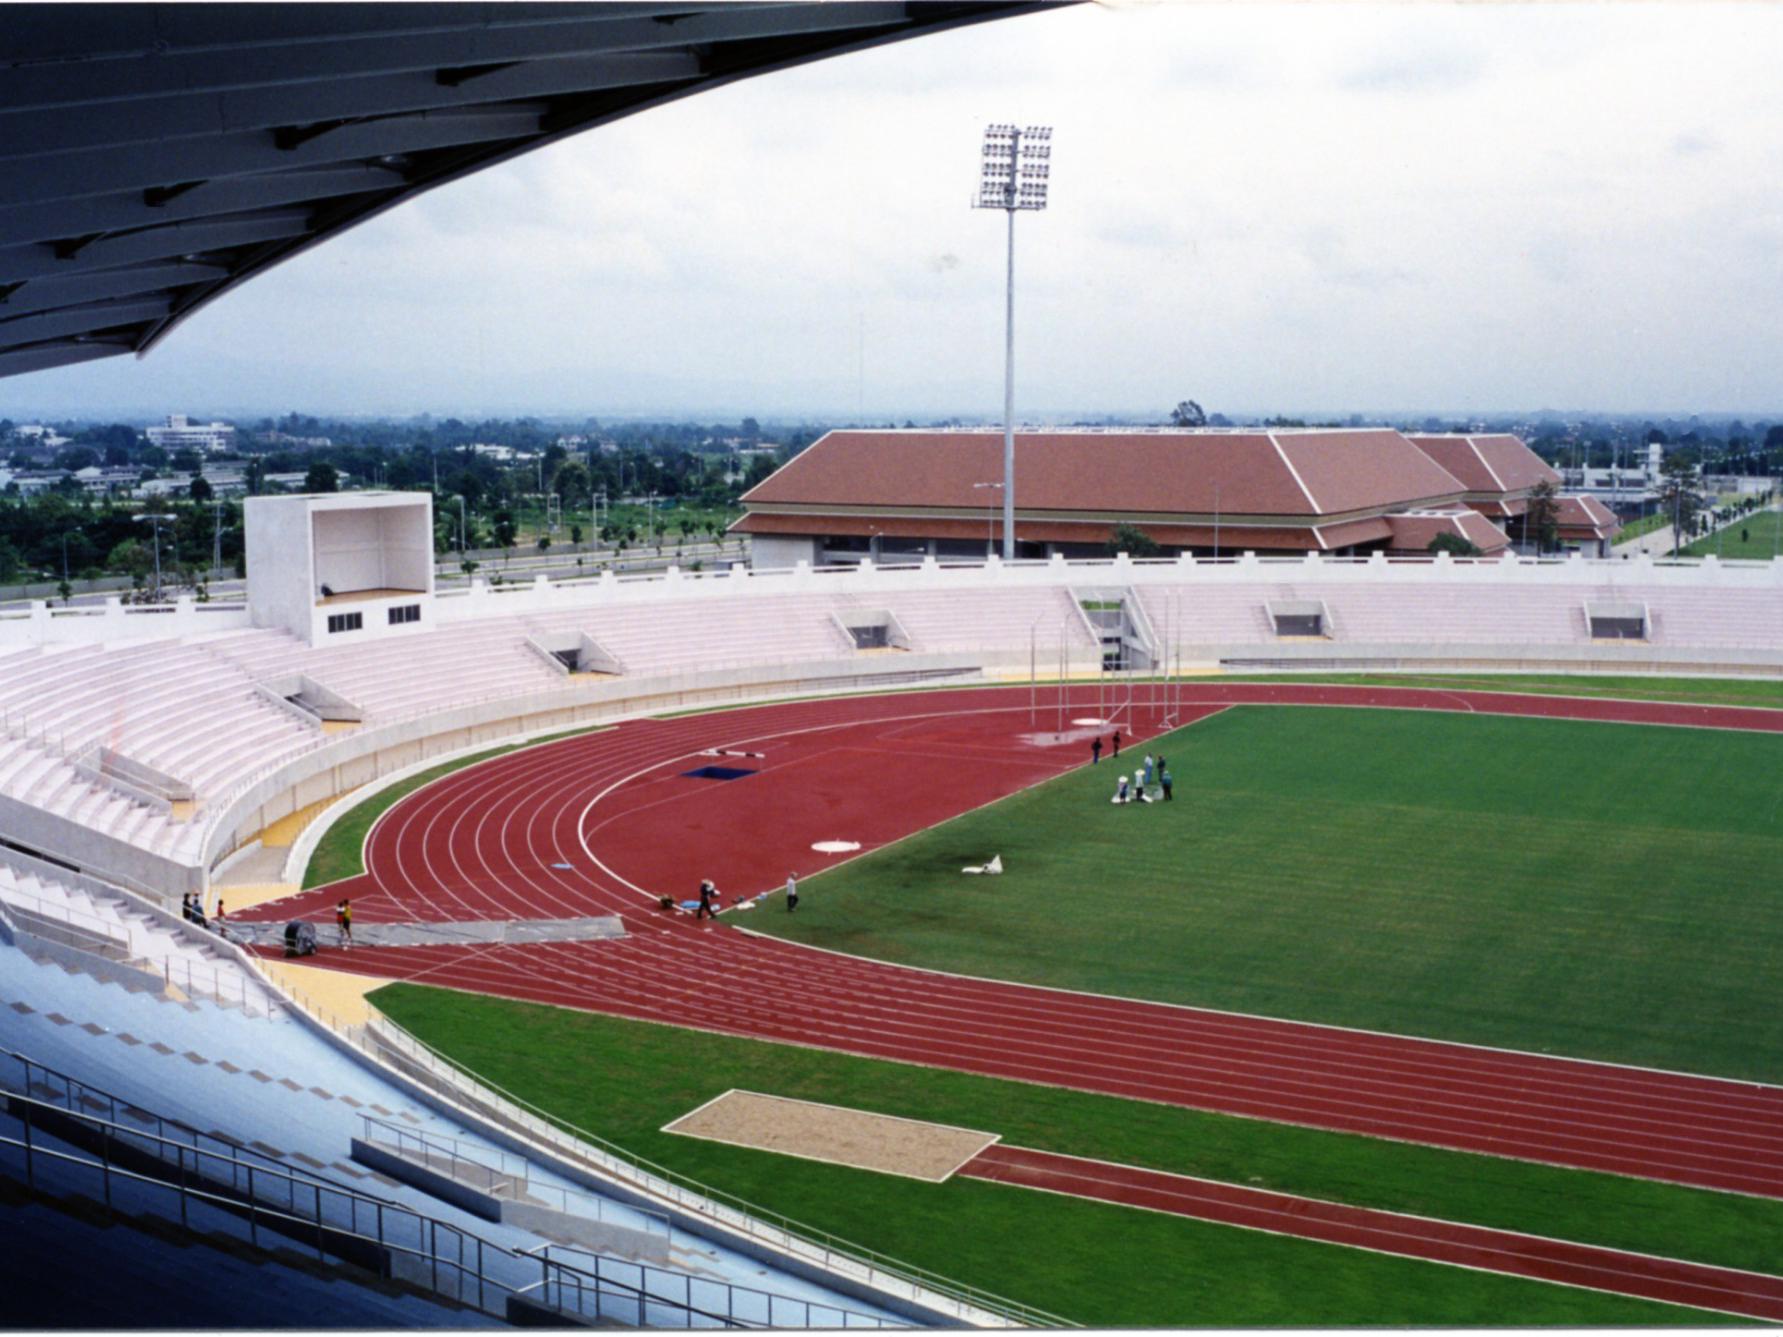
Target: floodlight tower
(1013,179)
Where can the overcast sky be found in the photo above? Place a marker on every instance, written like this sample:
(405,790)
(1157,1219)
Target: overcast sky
(1268,209)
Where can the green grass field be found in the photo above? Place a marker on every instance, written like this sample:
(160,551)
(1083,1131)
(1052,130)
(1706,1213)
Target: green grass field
(1596,890)
(1646,524)
(1762,539)
(1095,1263)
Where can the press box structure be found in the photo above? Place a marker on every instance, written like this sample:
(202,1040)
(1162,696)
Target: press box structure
(336,567)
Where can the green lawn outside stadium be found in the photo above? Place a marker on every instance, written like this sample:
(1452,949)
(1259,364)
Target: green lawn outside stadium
(1596,890)
(1762,539)
(1095,1263)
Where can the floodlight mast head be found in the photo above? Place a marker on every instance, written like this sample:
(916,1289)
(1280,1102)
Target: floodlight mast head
(1014,167)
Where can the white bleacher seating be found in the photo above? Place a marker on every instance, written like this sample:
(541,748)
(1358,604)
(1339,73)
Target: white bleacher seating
(990,619)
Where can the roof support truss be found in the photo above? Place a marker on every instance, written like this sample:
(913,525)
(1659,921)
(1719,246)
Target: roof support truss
(153,156)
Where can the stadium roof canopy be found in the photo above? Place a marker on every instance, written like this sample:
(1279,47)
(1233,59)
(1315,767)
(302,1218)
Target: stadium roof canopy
(152,157)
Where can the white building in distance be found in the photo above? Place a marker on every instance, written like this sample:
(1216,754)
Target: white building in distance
(181,433)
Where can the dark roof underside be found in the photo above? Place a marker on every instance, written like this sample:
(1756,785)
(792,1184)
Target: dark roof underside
(154,156)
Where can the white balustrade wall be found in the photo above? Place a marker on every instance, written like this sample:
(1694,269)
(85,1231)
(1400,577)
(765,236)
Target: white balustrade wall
(44,624)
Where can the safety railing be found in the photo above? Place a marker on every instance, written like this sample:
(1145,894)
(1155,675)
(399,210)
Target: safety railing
(89,932)
(227,988)
(184,1186)
(56,1089)
(206,1183)
(500,1175)
(110,937)
(389,1042)
(121,1124)
(595,1288)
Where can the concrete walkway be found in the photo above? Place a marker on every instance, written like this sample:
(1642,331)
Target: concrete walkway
(1657,541)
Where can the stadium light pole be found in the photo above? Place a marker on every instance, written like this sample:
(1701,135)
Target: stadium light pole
(155,519)
(989,518)
(1012,177)
(216,561)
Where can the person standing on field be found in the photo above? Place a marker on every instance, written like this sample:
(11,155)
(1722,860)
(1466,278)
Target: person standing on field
(1096,750)
(792,892)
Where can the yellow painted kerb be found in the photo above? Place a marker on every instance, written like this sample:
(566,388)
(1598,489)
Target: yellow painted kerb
(283,833)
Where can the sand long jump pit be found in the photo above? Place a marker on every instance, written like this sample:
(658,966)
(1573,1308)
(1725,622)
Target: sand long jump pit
(834,1135)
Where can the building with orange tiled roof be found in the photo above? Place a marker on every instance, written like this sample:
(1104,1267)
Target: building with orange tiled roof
(1500,473)
(1585,523)
(902,495)
(1413,532)
(1498,470)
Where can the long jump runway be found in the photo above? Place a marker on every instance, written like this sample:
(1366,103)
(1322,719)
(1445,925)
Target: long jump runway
(604,823)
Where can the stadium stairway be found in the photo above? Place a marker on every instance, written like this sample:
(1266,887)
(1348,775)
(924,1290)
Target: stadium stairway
(189,962)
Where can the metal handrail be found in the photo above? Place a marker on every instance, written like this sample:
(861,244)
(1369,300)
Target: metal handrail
(114,932)
(170,1132)
(261,1216)
(599,1267)
(194,980)
(783,1233)
(184,975)
(499,1180)
(369,1219)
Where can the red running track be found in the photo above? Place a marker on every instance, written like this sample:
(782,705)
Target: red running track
(1672,1281)
(506,840)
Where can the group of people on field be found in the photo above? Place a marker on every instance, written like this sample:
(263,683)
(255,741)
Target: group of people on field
(1153,777)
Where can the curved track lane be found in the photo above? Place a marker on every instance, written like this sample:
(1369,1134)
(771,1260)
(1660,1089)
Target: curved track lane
(533,835)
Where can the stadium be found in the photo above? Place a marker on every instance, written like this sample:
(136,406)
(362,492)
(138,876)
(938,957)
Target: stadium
(1303,943)
(1271,932)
